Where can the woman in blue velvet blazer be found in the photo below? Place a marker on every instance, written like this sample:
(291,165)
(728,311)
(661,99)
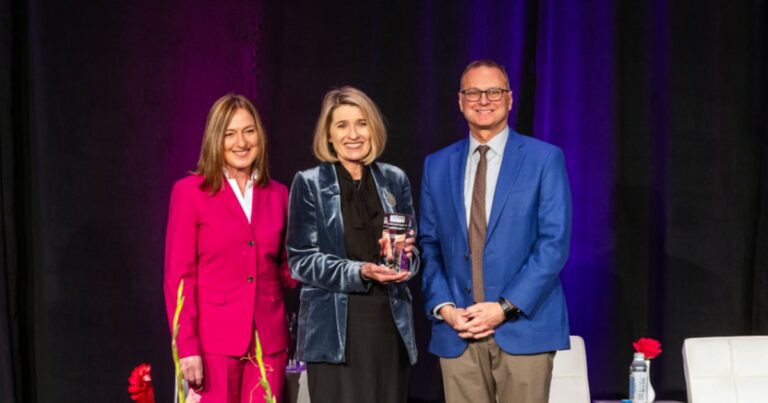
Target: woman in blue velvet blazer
(355,320)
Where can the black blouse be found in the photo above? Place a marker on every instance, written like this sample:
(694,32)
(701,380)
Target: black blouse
(362,214)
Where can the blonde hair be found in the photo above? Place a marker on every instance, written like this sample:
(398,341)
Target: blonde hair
(211,162)
(321,146)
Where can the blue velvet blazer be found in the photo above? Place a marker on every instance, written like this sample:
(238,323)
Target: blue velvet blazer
(318,258)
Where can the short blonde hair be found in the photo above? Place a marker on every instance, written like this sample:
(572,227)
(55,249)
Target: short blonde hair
(211,162)
(322,147)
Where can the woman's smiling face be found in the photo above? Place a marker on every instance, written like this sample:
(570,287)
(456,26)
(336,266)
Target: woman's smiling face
(350,134)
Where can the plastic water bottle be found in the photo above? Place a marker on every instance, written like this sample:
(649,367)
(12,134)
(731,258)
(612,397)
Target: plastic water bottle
(638,379)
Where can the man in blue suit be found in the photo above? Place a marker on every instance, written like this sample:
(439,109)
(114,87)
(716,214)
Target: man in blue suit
(495,227)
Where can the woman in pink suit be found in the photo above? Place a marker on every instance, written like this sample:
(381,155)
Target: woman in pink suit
(225,239)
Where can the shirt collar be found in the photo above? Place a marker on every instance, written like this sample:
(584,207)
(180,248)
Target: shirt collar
(496,145)
(254,174)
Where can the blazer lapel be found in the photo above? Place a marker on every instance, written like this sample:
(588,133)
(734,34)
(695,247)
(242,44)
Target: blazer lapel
(510,168)
(260,198)
(457,165)
(386,197)
(330,195)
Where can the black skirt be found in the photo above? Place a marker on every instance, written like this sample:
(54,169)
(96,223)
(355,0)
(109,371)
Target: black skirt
(376,368)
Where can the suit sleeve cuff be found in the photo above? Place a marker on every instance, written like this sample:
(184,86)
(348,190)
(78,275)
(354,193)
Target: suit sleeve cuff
(436,310)
(189,349)
(366,282)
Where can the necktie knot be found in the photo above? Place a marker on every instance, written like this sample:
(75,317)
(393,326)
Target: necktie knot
(482,149)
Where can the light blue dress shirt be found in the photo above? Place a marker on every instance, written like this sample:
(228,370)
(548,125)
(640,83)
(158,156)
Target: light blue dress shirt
(493,157)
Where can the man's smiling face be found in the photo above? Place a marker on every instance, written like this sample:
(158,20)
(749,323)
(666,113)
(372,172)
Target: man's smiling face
(486,118)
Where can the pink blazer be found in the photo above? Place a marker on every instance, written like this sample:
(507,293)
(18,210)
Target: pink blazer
(234,272)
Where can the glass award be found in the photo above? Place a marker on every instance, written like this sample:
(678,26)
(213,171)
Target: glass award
(396,231)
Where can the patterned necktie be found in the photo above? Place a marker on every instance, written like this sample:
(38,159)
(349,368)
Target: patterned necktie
(478,226)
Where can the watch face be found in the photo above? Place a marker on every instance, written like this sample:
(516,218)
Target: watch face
(510,313)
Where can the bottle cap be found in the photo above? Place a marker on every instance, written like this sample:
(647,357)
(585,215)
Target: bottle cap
(640,356)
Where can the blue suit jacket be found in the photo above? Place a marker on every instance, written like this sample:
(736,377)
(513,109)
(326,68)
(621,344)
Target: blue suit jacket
(527,244)
(318,258)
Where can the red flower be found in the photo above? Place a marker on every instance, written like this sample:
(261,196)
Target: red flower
(140,384)
(649,347)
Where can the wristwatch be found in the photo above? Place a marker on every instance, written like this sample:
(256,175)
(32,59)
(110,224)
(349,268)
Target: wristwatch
(511,312)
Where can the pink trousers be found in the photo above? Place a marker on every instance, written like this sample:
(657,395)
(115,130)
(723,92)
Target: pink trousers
(236,380)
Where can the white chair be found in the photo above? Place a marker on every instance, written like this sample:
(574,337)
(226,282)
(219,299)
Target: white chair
(726,369)
(570,383)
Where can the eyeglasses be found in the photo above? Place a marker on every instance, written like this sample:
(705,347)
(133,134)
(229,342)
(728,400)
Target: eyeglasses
(493,94)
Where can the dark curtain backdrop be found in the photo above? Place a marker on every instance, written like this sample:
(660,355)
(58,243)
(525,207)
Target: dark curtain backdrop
(660,107)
